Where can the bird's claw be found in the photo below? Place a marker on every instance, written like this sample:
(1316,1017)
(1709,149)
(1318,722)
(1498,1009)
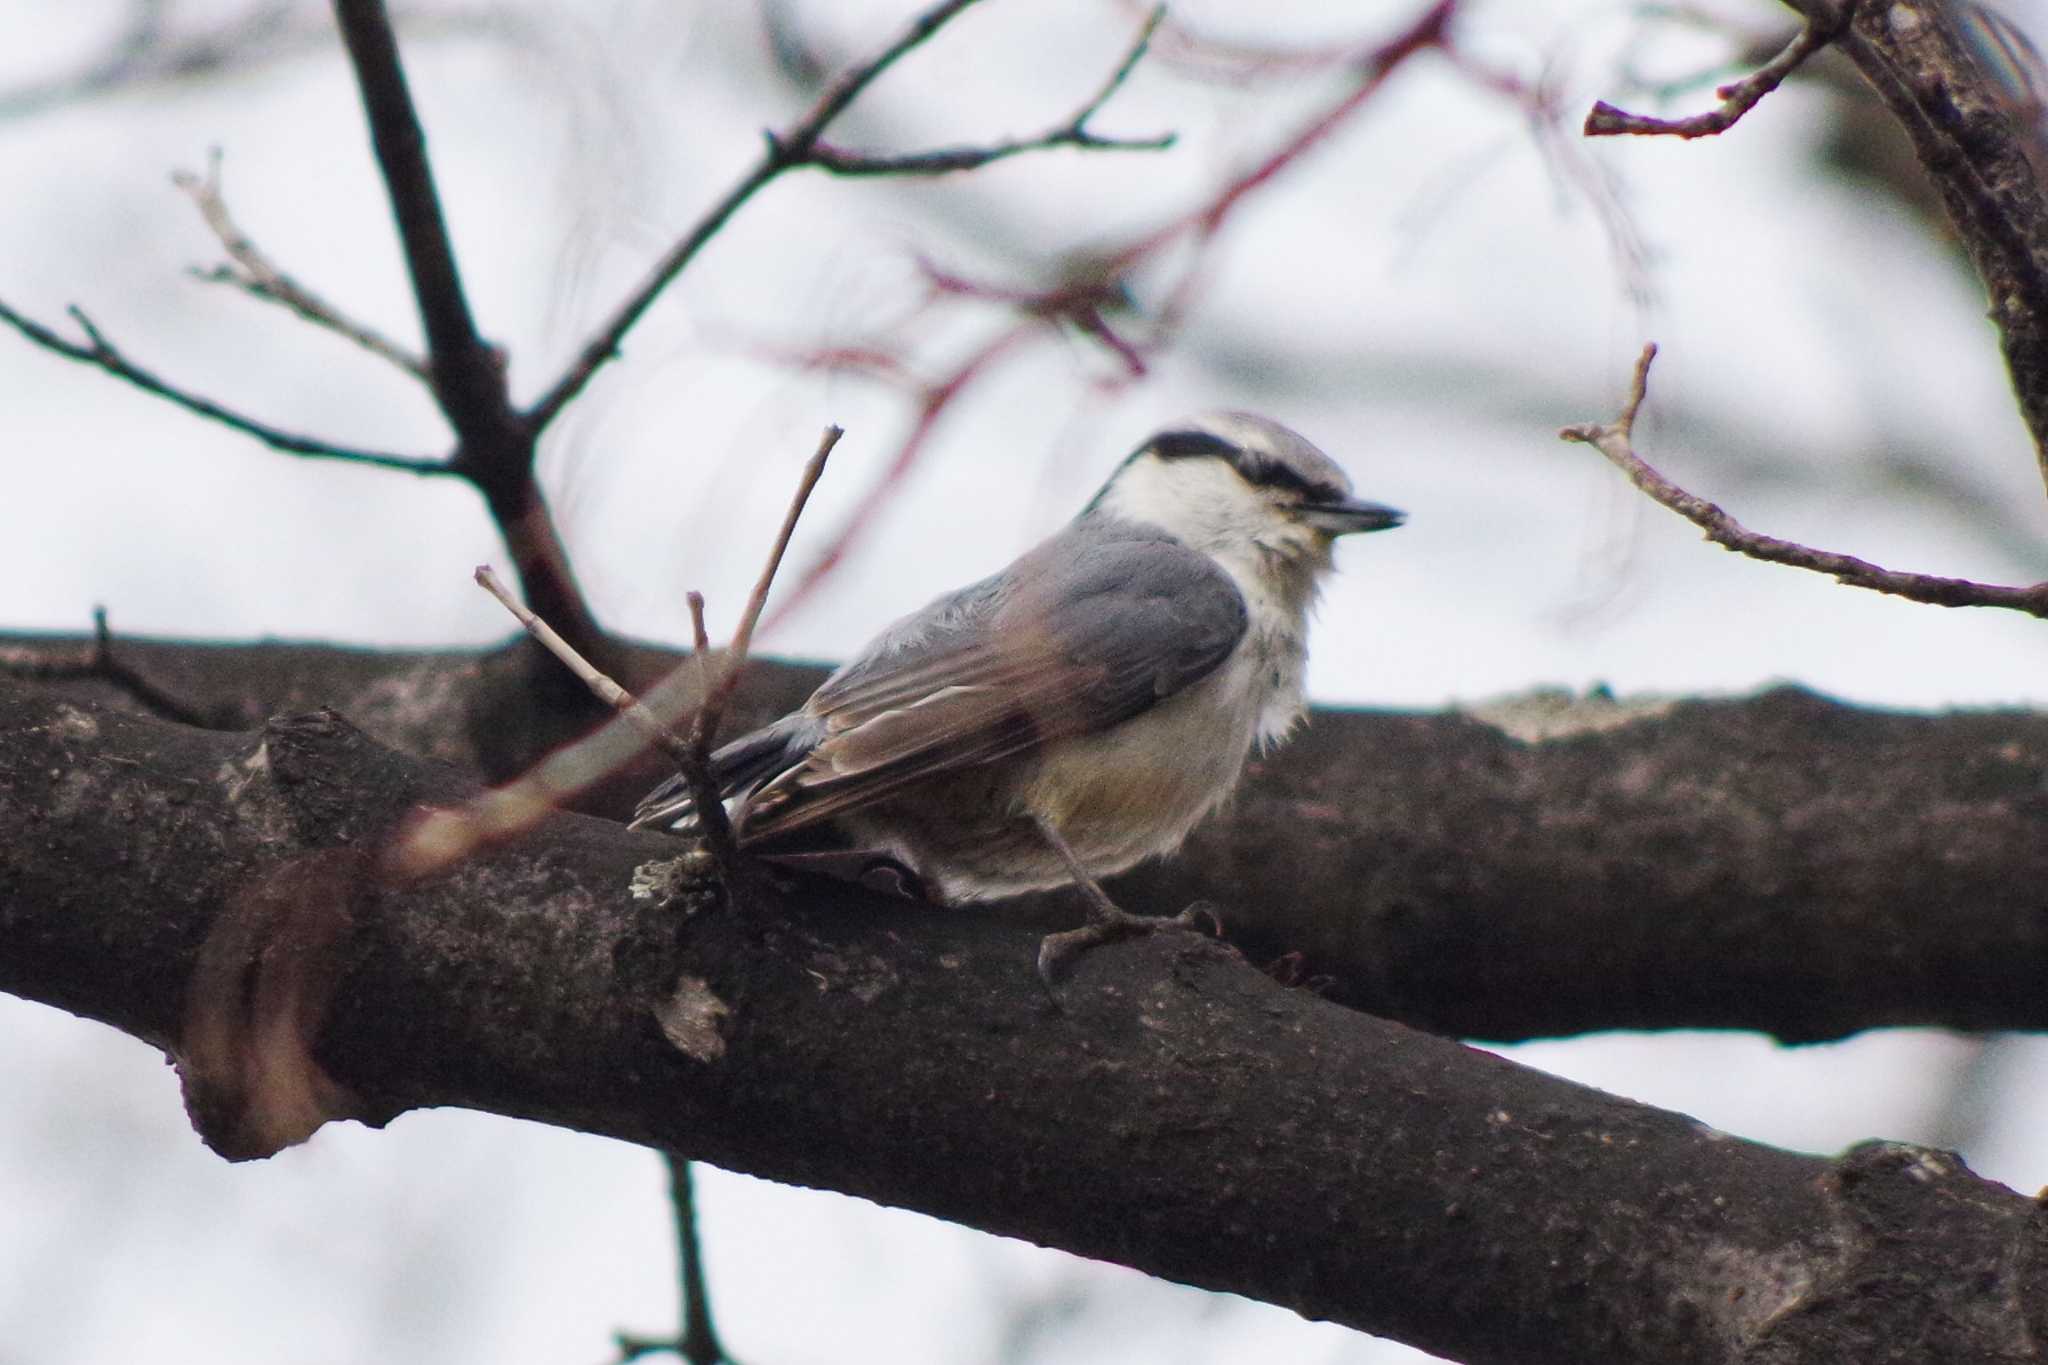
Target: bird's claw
(1109,923)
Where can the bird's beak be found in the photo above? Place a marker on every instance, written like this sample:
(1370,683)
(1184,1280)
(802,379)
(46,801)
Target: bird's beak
(1351,515)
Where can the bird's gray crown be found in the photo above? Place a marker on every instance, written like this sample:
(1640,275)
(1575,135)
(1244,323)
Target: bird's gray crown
(1262,451)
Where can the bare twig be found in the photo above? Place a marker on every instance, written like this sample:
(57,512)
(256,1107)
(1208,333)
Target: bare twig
(256,274)
(440,839)
(704,792)
(705,796)
(1073,133)
(701,642)
(602,687)
(800,145)
(1738,97)
(784,151)
(1615,441)
(743,638)
(691,755)
(932,405)
(97,350)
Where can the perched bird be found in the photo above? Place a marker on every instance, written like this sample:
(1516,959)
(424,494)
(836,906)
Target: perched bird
(1082,709)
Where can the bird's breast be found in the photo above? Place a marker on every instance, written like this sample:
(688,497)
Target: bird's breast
(1139,788)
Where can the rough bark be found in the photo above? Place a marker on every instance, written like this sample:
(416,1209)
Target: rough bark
(1183,1113)
(1981,147)
(1783,863)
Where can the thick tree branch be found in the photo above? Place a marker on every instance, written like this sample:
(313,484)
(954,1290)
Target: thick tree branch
(1782,863)
(495,444)
(468,373)
(1616,439)
(1186,1115)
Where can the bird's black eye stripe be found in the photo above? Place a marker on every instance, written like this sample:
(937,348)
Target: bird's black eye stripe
(1175,445)
(1273,474)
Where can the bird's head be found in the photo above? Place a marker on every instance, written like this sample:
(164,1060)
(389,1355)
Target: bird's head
(1244,488)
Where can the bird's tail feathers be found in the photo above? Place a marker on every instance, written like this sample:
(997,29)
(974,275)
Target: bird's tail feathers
(739,768)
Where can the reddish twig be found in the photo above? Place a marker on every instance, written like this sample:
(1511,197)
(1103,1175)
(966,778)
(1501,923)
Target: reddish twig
(935,400)
(1085,298)
(255,274)
(1737,97)
(97,350)
(1615,441)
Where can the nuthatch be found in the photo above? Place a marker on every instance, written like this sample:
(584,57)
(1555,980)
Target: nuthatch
(1084,708)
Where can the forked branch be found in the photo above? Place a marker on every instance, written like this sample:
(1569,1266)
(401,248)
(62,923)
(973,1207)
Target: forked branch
(254,273)
(799,145)
(97,350)
(1616,439)
(1073,133)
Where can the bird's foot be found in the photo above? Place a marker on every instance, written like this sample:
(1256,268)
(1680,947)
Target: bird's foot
(1109,922)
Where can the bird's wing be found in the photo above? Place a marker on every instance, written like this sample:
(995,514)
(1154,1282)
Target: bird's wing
(1083,635)
(741,767)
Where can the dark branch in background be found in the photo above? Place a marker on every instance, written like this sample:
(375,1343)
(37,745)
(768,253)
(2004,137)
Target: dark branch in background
(783,152)
(698,1341)
(97,350)
(468,374)
(1982,158)
(255,274)
(496,444)
(800,146)
(147,51)
(97,662)
(1738,97)
(904,1054)
(1073,133)
(1615,441)
(143,51)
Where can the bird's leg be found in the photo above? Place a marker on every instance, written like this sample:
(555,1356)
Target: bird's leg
(1108,922)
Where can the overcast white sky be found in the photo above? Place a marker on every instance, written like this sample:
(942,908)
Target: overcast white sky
(1427,296)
